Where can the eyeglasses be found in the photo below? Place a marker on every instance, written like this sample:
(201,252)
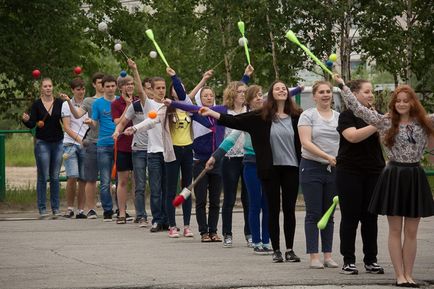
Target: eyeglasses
(241,91)
(409,131)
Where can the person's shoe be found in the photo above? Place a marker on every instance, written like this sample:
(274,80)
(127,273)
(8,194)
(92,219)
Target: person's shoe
(121,220)
(128,217)
(165,227)
(277,256)
(81,215)
(227,241)
(349,269)
(187,232)
(57,213)
(108,216)
(316,264)
(156,228)
(143,223)
(291,257)
(374,268)
(267,249)
(249,241)
(330,264)
(173,232)
(259,250)
(92,214)
(43,214)
(69,214)
(204,238)
(214,237)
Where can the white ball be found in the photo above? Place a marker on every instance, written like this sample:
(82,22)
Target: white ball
(102,26)
(153,54)
(242,40)
(118,47)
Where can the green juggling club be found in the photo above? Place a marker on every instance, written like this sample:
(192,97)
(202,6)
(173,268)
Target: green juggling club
(150,35)
(325,219)
(246,49)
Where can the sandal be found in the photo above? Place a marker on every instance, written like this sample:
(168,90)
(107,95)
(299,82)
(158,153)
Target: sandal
(121,220)
(215,238)
(205,238)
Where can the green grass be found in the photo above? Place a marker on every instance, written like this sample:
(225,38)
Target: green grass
(25,198)
(19,151)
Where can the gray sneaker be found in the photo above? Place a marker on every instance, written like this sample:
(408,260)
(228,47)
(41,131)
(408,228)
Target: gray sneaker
(227,241)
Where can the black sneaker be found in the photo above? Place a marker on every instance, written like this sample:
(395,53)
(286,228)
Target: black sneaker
(108,216)
(156,228)
(81,215)
(374,268)
(349,269)
(165,227)
(92,214)
(128,217)
(277,256)
(259,250)
(69,214)
(291,257)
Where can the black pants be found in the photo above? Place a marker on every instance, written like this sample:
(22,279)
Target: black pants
(355,192)
(283,182)
(210,185)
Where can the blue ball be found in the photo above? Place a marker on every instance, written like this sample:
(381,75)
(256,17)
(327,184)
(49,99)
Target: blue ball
(329,63)
(123,73)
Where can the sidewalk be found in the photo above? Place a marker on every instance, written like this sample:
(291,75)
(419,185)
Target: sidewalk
(73,253)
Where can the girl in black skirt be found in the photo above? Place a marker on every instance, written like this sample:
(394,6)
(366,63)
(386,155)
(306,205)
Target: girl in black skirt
(402,192)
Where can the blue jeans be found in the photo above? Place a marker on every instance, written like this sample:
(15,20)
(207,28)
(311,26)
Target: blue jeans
(74,161)
(48,157)
(184,161)
(157,184)
(105,164)
(257,203)
(140,160)
(318,186)
(232,169)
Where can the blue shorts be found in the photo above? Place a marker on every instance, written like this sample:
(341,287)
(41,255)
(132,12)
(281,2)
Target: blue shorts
(73,158)
(90,162)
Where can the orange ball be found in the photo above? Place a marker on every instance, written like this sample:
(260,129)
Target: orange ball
(202,110)
(152,114)
(40,124)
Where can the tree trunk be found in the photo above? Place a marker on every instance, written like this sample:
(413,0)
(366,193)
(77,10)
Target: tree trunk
(345,53)
(225,45)
(273,50)
(409,18)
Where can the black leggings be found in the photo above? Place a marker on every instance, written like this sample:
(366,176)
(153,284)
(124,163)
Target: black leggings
(282,179)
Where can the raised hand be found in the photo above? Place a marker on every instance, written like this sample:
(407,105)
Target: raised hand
(167,102)
(249,70)
(170,71)
(131,64)
(208,74)
(64,97)
(210,163)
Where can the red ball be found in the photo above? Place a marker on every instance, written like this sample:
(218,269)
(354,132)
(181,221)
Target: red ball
(77,70)
(36,73)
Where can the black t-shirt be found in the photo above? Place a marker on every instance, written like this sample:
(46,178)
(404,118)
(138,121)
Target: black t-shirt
(363,157)
(52,129)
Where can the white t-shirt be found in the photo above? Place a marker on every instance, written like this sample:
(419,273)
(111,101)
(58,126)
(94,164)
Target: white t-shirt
(324,133)
(77,125)
(155,135)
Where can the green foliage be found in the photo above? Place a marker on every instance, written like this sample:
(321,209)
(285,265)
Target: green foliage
(19,150)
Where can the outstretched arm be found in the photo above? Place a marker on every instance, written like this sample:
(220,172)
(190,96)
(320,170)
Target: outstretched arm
(137,80)
(207,75)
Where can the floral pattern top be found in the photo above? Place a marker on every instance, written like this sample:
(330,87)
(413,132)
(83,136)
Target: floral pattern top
(411,140)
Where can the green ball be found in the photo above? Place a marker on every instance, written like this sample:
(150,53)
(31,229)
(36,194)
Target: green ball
(333,57)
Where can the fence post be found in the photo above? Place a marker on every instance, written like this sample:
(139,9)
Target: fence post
(2,168)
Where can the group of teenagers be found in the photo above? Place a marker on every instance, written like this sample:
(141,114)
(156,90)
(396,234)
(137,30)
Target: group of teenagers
(273,146)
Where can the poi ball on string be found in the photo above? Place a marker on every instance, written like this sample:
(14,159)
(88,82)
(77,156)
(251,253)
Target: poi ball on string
(329,63)
(333,57)
(123,73)
(242,41)
(77,70)
(40,124)
(153,54)
(102,26)
(36,73)
(118,47)
(152,114)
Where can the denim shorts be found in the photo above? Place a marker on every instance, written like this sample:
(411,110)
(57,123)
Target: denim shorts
(90,162)
(73,160)
(124,161)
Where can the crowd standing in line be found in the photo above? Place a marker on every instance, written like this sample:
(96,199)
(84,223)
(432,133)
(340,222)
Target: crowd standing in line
(271,145)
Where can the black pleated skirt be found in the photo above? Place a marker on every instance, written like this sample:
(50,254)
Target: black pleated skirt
(402,190)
